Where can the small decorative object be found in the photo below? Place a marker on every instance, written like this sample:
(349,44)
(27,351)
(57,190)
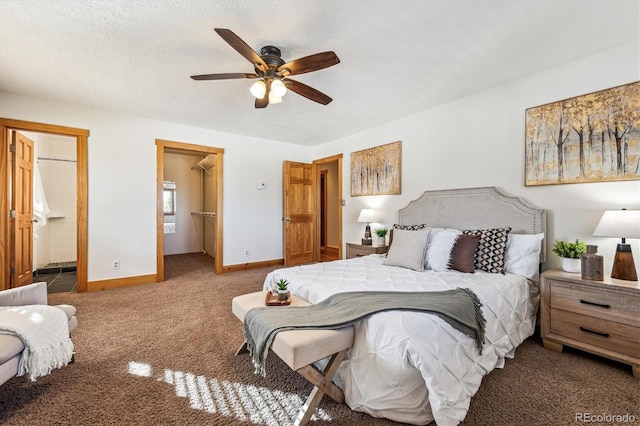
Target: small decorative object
(621,224)
(570,253)
(282,289)
(592,265)
(382,235)
(367,216)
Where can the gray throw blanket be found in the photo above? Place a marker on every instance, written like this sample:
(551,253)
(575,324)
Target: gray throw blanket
(460,308)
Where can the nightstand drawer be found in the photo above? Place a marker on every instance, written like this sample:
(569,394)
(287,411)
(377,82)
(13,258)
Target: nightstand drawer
(609,335)
(595,302)
(359,250)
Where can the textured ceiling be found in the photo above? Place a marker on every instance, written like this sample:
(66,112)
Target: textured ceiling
(397,57)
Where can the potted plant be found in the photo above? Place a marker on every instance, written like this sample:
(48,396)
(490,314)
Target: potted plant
(382,234)
(570,254)
(283,292)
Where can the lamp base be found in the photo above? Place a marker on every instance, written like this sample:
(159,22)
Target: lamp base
(367,241)
(623,266)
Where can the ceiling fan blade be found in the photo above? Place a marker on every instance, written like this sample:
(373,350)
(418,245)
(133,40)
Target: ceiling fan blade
(225,76)
(307,91)
(309,63)
(242,48)
(262,103)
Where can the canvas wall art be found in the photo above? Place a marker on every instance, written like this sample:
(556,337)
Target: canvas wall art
(589,138)
(377,171)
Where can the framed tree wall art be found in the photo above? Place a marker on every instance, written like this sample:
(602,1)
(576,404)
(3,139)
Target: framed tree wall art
(589,138)
(377,171)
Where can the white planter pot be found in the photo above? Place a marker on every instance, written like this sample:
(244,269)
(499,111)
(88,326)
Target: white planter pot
(571,265)
(382,241)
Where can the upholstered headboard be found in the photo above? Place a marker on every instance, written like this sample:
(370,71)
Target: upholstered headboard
(475,208)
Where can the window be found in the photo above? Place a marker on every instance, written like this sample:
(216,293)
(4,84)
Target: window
(169,198)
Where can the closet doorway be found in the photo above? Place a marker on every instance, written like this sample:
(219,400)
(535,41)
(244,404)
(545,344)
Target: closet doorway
(329,180)
(189,205)
(16,235)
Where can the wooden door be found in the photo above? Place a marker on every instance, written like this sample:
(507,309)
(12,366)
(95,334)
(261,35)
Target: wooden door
(22,201)
(300,217)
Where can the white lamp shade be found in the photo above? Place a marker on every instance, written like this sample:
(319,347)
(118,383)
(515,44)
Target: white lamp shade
(619,224)
(258,89)
(367,215)
(278,88)
(274,99)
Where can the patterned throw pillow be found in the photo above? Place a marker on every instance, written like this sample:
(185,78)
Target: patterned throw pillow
(409,227)
(489,255)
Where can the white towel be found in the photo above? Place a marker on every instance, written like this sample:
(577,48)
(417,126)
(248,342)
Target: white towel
(40,206)
(44,330)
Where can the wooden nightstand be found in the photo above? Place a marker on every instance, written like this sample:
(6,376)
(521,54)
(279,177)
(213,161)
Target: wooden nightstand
(358,250)
(601,317)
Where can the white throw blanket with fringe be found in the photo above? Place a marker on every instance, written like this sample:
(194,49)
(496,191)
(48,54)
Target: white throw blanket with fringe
(44,330)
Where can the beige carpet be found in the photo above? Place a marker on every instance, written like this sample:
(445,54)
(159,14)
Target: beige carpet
(163,354)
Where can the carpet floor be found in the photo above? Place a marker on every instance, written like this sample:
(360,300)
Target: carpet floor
(163,354)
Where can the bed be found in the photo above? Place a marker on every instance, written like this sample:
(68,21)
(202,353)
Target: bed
(413,367)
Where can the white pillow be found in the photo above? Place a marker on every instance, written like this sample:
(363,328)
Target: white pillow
(408,249)
(522,255)
(439,250)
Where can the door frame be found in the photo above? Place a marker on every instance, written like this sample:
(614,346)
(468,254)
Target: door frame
(319,162)
(82,197)
(161,146)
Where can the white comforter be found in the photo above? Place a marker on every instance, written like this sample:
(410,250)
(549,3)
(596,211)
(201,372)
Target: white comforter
(413,367)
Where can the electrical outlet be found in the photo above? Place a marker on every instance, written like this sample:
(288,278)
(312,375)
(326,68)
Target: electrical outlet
(246,252)
(116,264)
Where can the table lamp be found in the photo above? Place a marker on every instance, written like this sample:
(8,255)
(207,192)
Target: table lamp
(621,224)
(367,216)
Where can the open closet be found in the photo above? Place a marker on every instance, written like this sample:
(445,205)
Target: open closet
(189,203)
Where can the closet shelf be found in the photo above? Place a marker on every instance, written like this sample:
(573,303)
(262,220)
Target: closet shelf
(211,214)
(205,164)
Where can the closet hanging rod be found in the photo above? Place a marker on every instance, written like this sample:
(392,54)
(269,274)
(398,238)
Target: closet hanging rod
(57,159)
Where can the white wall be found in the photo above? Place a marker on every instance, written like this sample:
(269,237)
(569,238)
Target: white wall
(122,184)
(475,141)
(59,181)
(479,141)
(56,241)
(188,237)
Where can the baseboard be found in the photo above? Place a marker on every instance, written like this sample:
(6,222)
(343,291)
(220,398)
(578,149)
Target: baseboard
(252,265)
(330,251)
(151,279)
(121,282)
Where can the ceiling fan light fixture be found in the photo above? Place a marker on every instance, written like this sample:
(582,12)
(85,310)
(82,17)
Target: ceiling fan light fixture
(272,72)
(258,89)
(273,99)
(278,88)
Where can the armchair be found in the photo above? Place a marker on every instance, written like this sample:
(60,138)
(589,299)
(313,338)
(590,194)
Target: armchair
(11,346)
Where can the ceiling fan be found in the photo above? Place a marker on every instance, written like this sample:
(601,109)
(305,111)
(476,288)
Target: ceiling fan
(273,72)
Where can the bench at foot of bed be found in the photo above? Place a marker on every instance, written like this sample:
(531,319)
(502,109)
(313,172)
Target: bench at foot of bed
(300,349)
